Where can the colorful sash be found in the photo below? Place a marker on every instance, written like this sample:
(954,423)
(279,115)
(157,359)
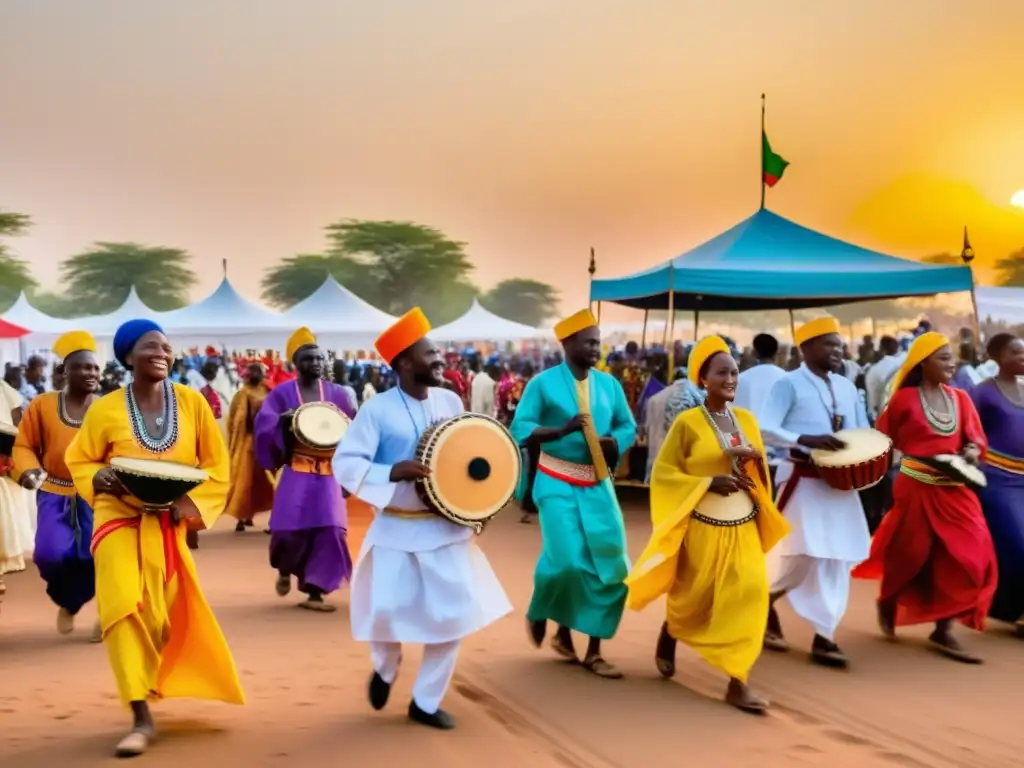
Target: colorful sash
(1004,462)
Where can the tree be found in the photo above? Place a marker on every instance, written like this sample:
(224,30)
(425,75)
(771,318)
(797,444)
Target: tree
(526,301)
(15,276)
(99,280)
(1011,269)
(393,265)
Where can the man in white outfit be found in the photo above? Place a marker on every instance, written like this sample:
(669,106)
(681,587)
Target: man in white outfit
(756,384)
(419,577)
(804,410)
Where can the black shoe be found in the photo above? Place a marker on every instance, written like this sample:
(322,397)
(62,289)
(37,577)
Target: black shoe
(440,719)
(379,692)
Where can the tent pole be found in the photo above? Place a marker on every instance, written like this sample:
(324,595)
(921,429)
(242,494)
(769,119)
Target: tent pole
(977,321)
(696,325)
(591,269)
(643,334)
(670,325)
(599,313)
(792,326)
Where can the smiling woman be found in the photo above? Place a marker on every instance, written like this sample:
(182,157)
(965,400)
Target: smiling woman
(1018,198)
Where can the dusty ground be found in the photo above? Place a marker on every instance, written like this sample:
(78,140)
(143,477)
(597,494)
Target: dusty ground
(899,705)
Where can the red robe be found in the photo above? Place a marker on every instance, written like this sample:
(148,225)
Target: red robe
(933,550)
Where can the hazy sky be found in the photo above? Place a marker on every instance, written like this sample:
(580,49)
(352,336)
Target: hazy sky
(532,129)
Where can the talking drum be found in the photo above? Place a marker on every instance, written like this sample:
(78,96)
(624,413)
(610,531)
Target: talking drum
(318,428)
(862,464)
(156,484)
(475,467)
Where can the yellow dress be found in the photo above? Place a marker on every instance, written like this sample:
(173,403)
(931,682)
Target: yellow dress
(715,577)
(162,638)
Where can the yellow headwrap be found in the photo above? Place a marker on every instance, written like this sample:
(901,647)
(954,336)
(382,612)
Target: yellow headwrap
(574,324)
(701,353)
(301,338)
(924,346)
(410,328)
(820,326)
(74,341)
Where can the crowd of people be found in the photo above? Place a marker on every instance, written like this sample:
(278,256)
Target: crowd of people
(730,439)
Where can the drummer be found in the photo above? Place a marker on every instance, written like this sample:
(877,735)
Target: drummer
(162,638)
(804,410)
(308,521)
(419,578)
(64,528)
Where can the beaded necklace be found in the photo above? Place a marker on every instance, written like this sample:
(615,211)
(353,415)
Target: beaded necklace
(941,423)
(62,412)
(169,421)
(726,441)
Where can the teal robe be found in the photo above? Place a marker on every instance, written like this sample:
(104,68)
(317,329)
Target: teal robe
(578,582)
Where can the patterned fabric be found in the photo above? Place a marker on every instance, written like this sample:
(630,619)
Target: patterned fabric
(684,395)
(213,399)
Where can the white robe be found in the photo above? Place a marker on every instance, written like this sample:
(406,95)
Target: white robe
(417,580)
(17,505)
(830,532)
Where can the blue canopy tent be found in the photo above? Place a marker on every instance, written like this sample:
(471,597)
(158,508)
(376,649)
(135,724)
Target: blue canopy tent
(769,262)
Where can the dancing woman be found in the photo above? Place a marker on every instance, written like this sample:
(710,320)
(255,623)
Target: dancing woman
(933,549)
(161,636)
(1000,404)
(713,571)
(64,526)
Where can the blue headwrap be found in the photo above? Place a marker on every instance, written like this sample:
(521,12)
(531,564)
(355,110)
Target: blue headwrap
(127,337)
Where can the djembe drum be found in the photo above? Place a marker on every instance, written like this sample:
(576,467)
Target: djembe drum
(475,467)
(156,484)
(862,464)
(317,428)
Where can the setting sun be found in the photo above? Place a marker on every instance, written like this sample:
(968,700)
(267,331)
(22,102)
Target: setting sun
(1018,198)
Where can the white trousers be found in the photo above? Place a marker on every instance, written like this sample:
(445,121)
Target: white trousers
(435,672)
(818,590)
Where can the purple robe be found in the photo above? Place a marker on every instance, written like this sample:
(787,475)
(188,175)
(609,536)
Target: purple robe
(308,522)
(1002,500)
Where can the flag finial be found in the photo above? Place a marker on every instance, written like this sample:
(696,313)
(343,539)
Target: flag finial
(967,254)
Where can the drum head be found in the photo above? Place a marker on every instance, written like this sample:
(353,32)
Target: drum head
(157,483)
(320,425)
(475,467)
(958,468)
(861,445)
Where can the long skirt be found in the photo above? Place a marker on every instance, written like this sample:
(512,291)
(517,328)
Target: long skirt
(579,579)
(1003,504)
(17,525)
(935,555)
(62,550)
(317,557)
(719,603)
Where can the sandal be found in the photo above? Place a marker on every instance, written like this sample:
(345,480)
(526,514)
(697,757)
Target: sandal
(950,648)
(318,605)
(666,663)
(602,668)
(746,700)
(134,744)
(828,654)
(283,585)
(563,650)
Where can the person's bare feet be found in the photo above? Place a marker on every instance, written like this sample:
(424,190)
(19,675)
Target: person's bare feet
(665,653)
(65,622)
(773,638)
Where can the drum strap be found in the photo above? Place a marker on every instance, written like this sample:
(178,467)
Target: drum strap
(917,470)
(1004,462)
(408,514)
(583,475)
(167,531)
(801,469)
(310,466)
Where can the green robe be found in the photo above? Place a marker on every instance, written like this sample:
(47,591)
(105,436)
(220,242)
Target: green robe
(578,582)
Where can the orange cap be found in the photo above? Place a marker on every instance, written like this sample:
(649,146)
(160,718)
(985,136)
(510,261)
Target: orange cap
(409,329)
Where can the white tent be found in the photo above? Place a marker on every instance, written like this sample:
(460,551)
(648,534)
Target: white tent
(227,318)
(43,329)
(105,326)
(339,318)
(477,324)
(1000,303)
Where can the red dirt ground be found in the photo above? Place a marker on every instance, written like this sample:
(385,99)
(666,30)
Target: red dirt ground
(898,705)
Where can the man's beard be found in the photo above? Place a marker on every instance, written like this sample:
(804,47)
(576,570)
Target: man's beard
(424,378)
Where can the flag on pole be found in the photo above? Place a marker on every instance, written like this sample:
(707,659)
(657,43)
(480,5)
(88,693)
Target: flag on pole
(772,165)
